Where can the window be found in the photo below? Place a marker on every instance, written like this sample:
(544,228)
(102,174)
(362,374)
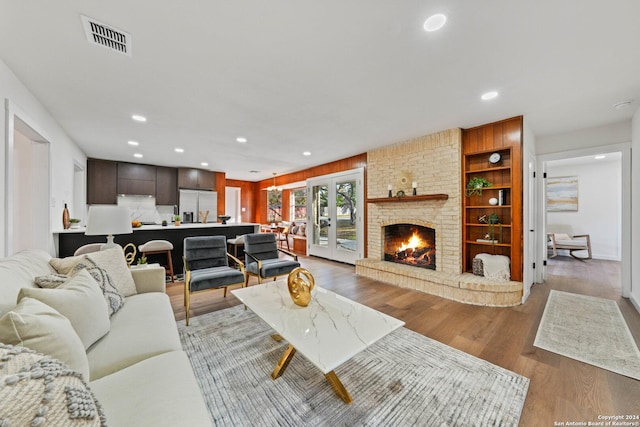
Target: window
(274,206)
(298,204)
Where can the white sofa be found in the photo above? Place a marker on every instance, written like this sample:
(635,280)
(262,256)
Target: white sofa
(138,371)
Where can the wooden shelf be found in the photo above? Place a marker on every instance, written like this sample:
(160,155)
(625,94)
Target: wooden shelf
(419,198)
(488,225)
(489,169)
(471,242)
(487,206)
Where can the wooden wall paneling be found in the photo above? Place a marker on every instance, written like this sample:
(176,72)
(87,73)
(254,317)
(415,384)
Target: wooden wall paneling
(219,179)
(247,198)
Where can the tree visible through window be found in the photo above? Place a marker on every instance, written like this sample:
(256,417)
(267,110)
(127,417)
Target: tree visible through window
(274,206)
(299,204)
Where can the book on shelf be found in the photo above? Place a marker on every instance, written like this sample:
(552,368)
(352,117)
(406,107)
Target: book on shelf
(486,241)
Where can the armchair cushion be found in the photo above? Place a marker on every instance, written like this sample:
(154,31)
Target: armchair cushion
(261,246)
(273,267)
(203,252)
(214,277)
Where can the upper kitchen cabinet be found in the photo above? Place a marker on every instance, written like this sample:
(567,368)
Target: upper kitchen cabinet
(166,186)
(196,178)
(102,176)
(136,179)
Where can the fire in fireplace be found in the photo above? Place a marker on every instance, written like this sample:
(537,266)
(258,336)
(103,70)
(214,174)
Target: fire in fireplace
(410,244)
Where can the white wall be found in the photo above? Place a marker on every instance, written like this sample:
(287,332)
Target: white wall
(599,205)
(635,209)
(63,151)
(615,133)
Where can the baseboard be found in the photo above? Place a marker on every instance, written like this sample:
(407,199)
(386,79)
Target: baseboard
(635,302)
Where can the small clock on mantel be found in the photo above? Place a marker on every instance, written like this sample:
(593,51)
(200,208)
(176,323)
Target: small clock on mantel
(495,158)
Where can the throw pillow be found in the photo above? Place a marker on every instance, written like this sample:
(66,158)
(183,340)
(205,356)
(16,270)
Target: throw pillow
(80,300)
(37,390)
(112,296)
(112,260)
(35,325)
(51,281)
(65,265)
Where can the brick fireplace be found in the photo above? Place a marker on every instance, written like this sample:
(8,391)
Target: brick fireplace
(431,162)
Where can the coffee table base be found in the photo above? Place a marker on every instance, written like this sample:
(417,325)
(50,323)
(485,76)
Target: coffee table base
(331,377)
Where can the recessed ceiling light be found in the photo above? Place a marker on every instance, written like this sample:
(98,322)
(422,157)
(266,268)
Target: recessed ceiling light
(138,155)
(134,143)
(204,164)
(306,153)
(435,22)
(179,150)
(600,156)
(241,139)
(489,95)
(139,118)
(622,104)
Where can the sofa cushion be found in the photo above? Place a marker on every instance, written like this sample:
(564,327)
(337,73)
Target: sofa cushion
(17,272)
(160,391)
(112,260)
(35,325)
(112,296)
(51,281)
(39,390)
(80,300)
(144,327)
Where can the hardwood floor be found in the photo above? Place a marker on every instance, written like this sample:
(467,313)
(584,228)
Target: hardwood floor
(561,390)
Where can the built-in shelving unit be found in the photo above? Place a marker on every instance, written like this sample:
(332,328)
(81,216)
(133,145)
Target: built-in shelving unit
(504,235)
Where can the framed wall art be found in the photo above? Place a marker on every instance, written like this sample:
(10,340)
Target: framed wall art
(562,194)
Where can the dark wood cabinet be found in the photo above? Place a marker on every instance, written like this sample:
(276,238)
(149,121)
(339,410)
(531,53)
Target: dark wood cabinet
(198,179)
(493,226)
(102,177)
(136,179)
(166,186)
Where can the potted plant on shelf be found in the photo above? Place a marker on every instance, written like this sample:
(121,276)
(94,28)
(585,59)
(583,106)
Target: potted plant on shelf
(476,184)
(74,223)
(176,220)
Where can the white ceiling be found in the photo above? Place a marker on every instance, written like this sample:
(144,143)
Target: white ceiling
(334,77)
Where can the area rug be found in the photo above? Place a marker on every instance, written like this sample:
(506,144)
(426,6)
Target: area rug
(403,379)
(589,329)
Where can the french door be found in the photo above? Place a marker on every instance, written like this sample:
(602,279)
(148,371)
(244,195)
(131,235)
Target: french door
(335,208)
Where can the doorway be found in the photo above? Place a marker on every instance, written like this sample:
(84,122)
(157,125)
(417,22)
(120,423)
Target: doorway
(336,226)
(601,207)
(232,204)
(27,223)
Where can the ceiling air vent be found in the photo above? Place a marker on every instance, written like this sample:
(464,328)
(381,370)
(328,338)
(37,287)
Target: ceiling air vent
(106,36)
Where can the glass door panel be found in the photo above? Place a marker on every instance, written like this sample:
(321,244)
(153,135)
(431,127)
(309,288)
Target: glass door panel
(346,202)
(320,215)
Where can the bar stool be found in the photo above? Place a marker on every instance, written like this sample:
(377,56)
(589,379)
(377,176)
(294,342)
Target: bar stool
(159,247)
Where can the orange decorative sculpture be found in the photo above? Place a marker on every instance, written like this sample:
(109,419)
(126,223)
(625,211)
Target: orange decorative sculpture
(300,290)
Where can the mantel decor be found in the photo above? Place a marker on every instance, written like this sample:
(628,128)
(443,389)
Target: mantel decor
(405,198)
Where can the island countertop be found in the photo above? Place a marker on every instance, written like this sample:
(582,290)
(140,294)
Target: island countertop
(168,227)
(67,241)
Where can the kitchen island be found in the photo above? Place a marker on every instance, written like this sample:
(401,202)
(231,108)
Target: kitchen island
(67,241)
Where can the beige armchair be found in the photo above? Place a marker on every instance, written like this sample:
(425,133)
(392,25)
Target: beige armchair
(572,243)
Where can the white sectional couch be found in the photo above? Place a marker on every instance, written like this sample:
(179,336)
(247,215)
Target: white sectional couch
(137,371)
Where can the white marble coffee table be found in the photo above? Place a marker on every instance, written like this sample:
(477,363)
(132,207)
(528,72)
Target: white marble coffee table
(328,332)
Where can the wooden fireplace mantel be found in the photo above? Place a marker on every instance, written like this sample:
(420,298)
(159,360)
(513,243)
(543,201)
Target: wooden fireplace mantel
(418,198)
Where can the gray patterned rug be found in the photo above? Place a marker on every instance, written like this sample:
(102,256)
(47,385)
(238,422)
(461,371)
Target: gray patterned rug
(589,329)
(404,379)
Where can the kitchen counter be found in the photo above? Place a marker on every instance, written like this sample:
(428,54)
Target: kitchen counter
(67,241)
(167,227)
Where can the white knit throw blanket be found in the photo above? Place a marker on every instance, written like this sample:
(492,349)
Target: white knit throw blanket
(496,267)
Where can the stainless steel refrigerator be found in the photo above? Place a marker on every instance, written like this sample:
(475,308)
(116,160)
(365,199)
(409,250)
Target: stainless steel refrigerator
(199,200)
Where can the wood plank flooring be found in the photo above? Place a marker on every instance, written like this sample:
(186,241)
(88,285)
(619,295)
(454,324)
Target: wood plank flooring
(561,390)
